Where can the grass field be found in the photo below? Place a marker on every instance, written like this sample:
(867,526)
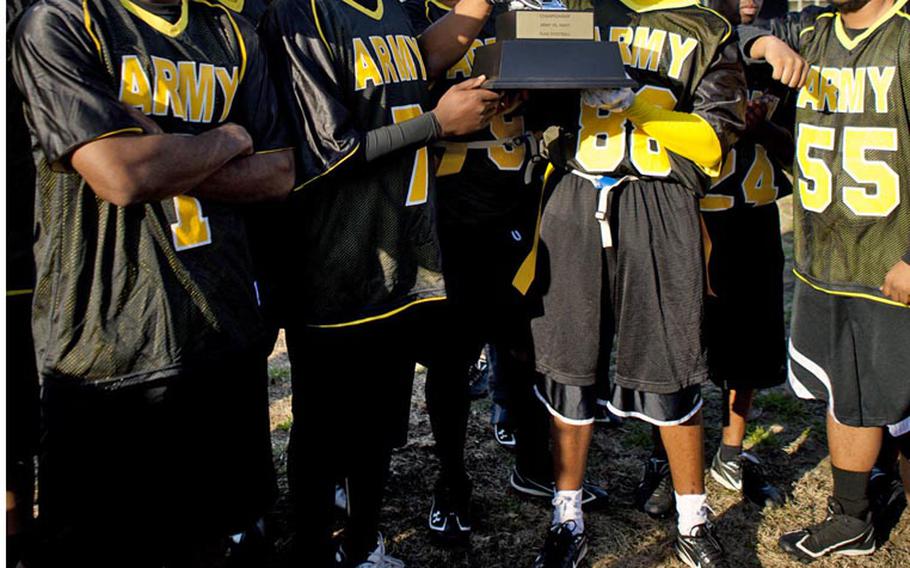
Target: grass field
(789,437)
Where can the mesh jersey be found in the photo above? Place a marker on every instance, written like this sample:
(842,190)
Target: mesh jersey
(126,294)
(683,60)
(362,235)
(477,184)
(852,214)
(20,176)
(751,176)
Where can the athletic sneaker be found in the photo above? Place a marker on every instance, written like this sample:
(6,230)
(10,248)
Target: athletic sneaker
(449,520)
(377,558)
(562,549)
(744,475)
(837,534)
(701,549)
(504,436)
(886,494)
(479,379)
(654,494)
(593,497)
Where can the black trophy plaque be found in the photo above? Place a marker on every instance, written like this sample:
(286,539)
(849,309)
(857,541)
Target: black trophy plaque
(549,49)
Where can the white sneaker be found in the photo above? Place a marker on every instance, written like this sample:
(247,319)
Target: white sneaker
(379,559)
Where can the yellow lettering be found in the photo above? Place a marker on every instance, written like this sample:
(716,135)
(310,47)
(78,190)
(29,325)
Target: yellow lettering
(830,81)
(415,49)
(679,52)
(197,90)
(852,95)
(365,68)
(465,64)
(389,74)
(622,37)
(398,45)
(167,93)
(647,47)
(135,90)
(881,79)
(809,94)
(229,83)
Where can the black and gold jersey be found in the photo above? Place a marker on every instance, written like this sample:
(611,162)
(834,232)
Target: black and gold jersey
(751,176)
(852,195)
(361,237)
(682,57)
(252,10)
(476,185)
(20,176)
(127,294)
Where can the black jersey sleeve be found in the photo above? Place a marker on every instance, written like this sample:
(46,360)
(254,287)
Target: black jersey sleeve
(258,110)
(70,97)
(309,82)
(720,97)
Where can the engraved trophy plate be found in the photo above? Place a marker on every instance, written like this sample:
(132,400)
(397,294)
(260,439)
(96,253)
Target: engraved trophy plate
(549,49)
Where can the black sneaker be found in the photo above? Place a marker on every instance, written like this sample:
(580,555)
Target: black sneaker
(250,548)
(479,379)
(886,493)
(837,534)
(562,549)
(504,436)
(654,494)
(744,475)
(593,497)
(701,549)
(449,520)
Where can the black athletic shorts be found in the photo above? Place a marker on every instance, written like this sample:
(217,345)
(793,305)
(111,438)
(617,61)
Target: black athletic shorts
(744,318)
(649,287)
(853,353)
(127,473)
(576,405)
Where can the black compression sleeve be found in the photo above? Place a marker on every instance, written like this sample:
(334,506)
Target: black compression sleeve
(417,132)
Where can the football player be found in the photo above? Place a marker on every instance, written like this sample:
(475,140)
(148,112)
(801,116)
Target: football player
(487,209)
(744,310)
(621,252)
(362,241)
(851,308)
(152,122)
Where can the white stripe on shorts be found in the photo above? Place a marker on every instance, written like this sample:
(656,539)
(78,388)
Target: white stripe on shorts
(900,428)
(649,420)
(816,371)
(560,417)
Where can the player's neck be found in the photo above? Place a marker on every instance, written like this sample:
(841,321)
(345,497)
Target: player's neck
(867,15)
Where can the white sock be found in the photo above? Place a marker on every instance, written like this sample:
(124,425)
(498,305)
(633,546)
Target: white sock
(692,511)
(567,507)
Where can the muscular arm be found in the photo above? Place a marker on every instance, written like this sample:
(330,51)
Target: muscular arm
(134,169)
(443,43)
(259,177)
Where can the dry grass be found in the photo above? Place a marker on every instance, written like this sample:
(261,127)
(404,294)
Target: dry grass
(508,529)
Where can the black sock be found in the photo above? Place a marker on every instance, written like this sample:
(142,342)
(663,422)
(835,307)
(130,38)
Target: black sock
(730,453)
(851,489)
(659,452)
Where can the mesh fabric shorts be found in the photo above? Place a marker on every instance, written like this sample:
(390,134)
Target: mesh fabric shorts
(744,318)
(854,354)
(649,287)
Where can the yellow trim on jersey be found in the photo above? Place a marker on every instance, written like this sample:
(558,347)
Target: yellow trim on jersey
(332,167)
(375,14)
(87,18)
(24,292)
(525,274)
(723,18)
(812,28)
(157,22)
(240,42)
(319,27)
(380,316)
(120,131)
(904,15)
(272,151)
(850,294)
(439,5)
(849,42)
(642,6)
(235,5)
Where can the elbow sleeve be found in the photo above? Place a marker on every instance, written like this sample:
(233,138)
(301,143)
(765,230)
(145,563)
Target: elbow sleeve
(685,134)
